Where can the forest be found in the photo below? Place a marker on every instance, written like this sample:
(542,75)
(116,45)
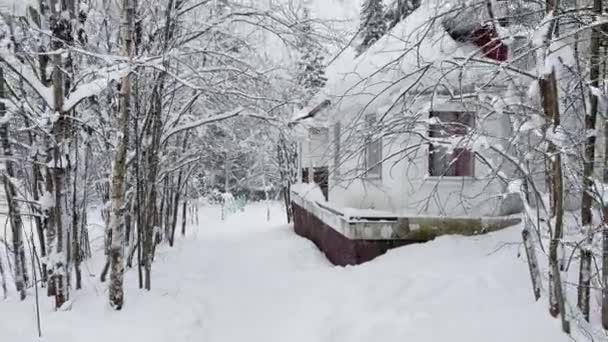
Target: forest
(123,121)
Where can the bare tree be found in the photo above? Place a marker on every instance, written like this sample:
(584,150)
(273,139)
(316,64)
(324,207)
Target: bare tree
(14,212)
(117,215)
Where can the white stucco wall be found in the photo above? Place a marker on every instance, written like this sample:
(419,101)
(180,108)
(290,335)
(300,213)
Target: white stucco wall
(405,186)
(316,148)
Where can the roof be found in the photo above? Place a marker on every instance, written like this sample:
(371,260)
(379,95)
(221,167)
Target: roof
(413,58)
(16,7)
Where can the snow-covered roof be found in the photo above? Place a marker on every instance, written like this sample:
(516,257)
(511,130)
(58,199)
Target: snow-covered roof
(16,7)
(415,56)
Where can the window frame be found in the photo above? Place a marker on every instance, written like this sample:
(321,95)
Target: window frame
(373,146)
(337,133)
(460,126)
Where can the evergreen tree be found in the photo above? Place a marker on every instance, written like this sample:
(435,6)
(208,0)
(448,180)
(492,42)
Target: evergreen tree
(311,67)
(373,24)
(399,10)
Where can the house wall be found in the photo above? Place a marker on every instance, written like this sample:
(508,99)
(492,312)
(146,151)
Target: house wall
(315,148)
(406,187)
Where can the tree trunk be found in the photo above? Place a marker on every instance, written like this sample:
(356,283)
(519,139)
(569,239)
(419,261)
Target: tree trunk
(138,181)
(150,210)
(550,103)
(61,30)
(104,190)
(164,210)
(35,208)
(605,265)
(2,280)
(14,211)
(75,224)
(49,228)
(605,234)
(535,275)
(287,170)
(178,191)
(117,220)
(184,207)
(85,244)
(152,155)
(584,286)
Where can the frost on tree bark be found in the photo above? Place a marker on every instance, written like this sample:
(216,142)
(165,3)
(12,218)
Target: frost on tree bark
(14,211)
(117,219)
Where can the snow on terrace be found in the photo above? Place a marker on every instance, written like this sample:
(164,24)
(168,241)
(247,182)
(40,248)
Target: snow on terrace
(263,283)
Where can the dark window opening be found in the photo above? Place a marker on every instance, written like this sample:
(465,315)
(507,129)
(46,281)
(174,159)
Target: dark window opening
(320,176)
(459,162)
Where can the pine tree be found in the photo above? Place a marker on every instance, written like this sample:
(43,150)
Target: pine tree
(373,25)
(311,67)
(399,10)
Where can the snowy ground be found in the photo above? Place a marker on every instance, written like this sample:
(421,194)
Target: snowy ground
(246,279)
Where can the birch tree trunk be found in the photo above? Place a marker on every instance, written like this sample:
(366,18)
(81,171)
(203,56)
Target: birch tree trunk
(117,219)
(14,211)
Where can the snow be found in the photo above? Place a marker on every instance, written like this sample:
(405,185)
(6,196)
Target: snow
(246,279)
(26,73)
(106,76)
(309,191)
(203,121)
(541,34)
(16,7)
(410,61)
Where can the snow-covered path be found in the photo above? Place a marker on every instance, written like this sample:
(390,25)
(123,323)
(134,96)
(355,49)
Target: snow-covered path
(245,279)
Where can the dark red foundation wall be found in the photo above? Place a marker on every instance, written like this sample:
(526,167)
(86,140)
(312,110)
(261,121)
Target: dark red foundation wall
(339,249)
